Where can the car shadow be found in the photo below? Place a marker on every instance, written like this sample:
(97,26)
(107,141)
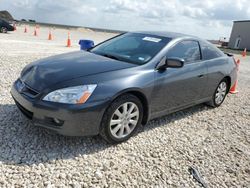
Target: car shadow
(22,143)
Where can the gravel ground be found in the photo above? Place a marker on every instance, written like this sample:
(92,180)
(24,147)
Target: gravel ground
(214,141)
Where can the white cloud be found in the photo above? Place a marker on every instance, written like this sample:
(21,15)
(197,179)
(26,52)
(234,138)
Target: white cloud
(207,18)
(194,12)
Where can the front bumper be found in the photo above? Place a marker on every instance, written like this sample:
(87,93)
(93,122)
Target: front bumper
(69,120)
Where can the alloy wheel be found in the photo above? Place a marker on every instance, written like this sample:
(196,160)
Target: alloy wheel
(124,120)
(3,30)
(220,93)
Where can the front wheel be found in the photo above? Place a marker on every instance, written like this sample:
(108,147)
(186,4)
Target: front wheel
(219,94)
(122,119)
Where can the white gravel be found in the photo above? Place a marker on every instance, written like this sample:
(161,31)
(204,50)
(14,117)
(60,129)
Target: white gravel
(215,141)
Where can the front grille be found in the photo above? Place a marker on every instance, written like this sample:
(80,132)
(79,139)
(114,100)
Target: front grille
(30,92)
(25,89)
(26,112)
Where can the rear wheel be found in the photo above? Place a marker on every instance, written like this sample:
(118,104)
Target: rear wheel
(3,30)
(219,94)
(122,119)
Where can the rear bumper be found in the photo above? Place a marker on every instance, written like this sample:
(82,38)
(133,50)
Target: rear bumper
(69,120)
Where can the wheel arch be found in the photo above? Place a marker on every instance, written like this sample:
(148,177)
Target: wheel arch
(228,79)
(142,97)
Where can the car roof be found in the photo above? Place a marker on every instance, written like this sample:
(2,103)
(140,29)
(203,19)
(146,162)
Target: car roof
(167,34)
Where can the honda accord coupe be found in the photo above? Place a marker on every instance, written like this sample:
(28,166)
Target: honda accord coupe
(113,88)
(5,26)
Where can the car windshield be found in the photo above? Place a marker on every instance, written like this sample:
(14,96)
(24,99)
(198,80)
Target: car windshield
(132,47)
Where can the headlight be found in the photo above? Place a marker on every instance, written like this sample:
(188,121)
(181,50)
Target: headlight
(71,95)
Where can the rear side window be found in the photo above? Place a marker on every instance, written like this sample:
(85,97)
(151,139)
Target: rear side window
(209,51)
(187,50)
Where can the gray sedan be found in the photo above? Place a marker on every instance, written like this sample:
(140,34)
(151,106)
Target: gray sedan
(122,83)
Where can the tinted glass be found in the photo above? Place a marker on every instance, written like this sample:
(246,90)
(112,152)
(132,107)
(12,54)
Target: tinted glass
(187,50)
(209,51)
(132,47)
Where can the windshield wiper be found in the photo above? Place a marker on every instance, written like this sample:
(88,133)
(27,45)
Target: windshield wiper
(110,56)
(115,57)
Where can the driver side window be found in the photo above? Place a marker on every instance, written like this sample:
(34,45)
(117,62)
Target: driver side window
(188,50)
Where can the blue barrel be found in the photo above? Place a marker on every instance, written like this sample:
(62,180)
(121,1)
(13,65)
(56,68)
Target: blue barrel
(86,44)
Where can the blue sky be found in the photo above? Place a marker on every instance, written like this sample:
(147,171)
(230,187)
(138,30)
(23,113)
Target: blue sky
(208,19)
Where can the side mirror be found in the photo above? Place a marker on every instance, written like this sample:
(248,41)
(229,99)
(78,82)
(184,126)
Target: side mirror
(171,63)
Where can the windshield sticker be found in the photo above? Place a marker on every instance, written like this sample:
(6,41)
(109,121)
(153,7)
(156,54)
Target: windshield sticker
(151,39)
(141,58)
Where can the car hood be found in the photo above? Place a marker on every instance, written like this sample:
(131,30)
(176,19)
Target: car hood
(46,72)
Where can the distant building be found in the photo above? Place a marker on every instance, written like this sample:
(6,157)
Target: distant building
(240,36)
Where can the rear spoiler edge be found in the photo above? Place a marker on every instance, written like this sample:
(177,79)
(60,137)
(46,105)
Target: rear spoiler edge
(229,54)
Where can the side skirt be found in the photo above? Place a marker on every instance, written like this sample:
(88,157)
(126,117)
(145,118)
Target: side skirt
(170,111)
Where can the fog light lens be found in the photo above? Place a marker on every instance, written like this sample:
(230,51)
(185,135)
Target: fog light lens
(58,121)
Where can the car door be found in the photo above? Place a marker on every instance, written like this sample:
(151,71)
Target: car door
(179,87)
(216,64)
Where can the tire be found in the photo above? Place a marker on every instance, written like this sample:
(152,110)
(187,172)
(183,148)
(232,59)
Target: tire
(221,90)
(118,126)
(3,30)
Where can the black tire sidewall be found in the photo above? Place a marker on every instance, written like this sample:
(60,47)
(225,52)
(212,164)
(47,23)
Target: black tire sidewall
(105,132)
(3,30)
